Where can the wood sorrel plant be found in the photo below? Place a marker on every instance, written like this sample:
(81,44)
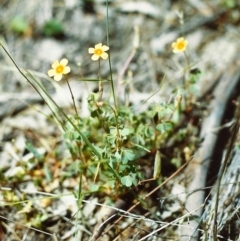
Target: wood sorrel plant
(105,147)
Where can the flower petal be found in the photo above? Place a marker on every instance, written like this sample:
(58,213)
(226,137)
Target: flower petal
(91,50)
(64,62)
(51,72)
(104,55)
(58,77)
(66,70)
(98,46)
(180,39)
(95,57)
(105,48)
(55,64)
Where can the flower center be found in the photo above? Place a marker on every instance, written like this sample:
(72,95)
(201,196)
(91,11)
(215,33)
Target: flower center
(98,52)
(181,45)
(60,69)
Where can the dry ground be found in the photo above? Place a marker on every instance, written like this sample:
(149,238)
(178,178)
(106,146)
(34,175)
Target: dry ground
(212,29)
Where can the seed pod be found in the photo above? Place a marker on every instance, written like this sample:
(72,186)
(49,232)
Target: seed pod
(157,165)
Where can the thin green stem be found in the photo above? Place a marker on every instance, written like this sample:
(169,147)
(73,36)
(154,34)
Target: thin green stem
(186,80)
(80,189)
(118,133)
(187,61)
(73,99)
(100,85)
(109,59)
(44,91)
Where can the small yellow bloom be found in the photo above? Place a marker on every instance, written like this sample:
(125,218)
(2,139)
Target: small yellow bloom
(180,45)
(59,69)
(99,51)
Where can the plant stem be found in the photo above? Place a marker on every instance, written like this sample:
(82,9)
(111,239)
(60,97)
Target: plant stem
(109,59)
(186,76)
(74,104)
(117,126)
(100,85)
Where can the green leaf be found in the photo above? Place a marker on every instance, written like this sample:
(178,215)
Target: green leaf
(126,131)
(195,75)
(134,180)
(74,168)
(71,135)
(148,131)
(34,151)
(128,155)
(100,150)
(164,127)
(111,139)
(161,110)
(123,167)
(176,162)
(52,28)
(113,130)
(118,155)
(95,112)
(18,25)
(47,172)
(111,183)
(112,161)
(127,181)
(93,187)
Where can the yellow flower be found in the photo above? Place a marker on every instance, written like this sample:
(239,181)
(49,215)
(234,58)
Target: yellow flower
(59,69)
(99,51)
(180,45)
